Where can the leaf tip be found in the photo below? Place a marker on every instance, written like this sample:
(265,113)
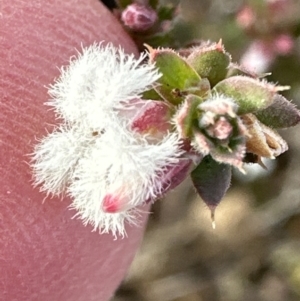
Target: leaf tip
(212,216)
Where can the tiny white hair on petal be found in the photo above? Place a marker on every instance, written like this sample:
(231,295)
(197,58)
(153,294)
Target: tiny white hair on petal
(99,81)
(56,155)
(113,223)
(128,167)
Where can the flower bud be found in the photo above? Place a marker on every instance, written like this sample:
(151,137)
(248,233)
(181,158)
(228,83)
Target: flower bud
(139,17)
(152,119)
(220,131)
(172,176)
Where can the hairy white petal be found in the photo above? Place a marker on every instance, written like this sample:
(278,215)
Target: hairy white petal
(122,166)
(113,223)
(55,157)
(98,82)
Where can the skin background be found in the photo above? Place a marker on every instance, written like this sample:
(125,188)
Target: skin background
(44,254)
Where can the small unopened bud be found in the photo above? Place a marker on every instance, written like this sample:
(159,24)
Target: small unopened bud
(139,17)
(221,129)
(153,118)
(283,44)
(172,176)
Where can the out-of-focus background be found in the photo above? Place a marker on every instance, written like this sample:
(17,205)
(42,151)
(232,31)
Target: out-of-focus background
(254,252)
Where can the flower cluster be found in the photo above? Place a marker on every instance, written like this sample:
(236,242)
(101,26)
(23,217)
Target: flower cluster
(130,131)
(218,132)
(228,114)
(113,151)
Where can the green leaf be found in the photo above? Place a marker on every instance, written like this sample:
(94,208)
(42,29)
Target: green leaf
(250,94)
(280,114)
(177,75)
(211,180)
(151,94)
(210,62)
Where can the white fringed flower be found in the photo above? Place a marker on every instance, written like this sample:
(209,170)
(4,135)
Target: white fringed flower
(118,173)
(95,156)
(98,82)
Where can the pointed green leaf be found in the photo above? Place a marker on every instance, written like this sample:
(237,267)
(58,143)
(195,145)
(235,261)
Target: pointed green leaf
(210,62)
(211,180)
(250,94)
(176,72)
(177,75)
(280,114)
(177,96)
